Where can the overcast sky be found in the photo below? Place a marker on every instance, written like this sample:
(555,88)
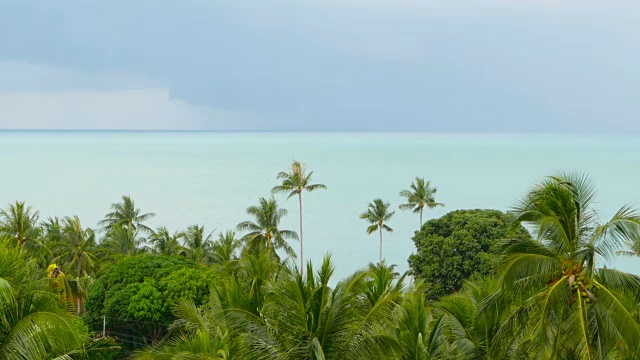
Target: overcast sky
(318,65)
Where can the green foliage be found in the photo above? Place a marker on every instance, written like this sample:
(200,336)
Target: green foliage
(264,234)
(34,323)
(569,306)
(198,244)
(459,245)
(137,294)
(420,195)
(126,215)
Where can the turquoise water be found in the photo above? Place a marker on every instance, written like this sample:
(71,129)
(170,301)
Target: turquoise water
(210,178)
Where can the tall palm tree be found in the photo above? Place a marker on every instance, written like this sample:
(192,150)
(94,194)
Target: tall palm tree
(573,308)
(420,195)
(265,232)
(76,249)
(21,222)
(198,244)
(224,249)
(125,214)
(165,243)
(295,182)
(378,215)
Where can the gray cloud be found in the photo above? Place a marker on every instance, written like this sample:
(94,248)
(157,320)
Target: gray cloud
(459,65)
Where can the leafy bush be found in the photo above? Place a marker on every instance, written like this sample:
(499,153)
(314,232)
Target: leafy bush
(137,296)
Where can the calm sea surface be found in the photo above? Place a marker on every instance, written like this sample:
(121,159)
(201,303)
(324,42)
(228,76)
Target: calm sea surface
(210,178)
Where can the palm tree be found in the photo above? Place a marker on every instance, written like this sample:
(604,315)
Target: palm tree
(198,244)
(125,214)
(265,233)
(420,333)
(165,243)
(378,215)
(51,231)
(225,248)
(122,241)
(76,249)
(295,182)
(573,308)
(317,321)
(35,327)
(34,324)
(421,194)
(21,222)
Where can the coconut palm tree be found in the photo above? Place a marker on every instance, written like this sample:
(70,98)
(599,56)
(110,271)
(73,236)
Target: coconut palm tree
(294,183)
(265,232)
(420,195)
(77,246)
(317,321)
(165,243)
(36,327)
(51,231)
(378,215)
(122,241)
(125,214)
(198,244)
(34,324)
(420,333)
(224,249)
(573,308)
(77,249)
(21,222)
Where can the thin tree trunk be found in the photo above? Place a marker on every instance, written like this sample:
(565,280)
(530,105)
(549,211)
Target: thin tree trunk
(381,244)
(421,209)
(78,287)
(301,239)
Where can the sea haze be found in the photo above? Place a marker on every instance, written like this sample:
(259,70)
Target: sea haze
(210,178)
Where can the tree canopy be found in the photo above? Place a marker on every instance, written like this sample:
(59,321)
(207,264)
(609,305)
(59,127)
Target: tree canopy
(137,294)
(459,245)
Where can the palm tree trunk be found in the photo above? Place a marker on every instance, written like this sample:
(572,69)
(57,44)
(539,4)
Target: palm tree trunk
(380,244)
(420,219)
(78,287)
(301,239)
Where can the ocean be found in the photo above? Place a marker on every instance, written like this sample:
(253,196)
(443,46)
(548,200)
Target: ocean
(210,178)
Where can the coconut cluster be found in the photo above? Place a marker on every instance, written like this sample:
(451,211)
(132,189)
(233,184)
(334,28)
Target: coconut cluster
(583,286)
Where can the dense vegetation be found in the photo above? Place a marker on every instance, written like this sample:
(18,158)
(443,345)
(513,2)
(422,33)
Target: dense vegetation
(484,287)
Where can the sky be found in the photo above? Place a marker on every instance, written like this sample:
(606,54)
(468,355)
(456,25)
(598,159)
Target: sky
(321,65)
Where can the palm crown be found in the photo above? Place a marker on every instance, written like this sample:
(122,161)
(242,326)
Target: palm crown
(20,221)
(419,196)
(265,233)
(296,181)
(125,214)
(166,243)
(576,306)
(77,245)
(378,215)
(198,243)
